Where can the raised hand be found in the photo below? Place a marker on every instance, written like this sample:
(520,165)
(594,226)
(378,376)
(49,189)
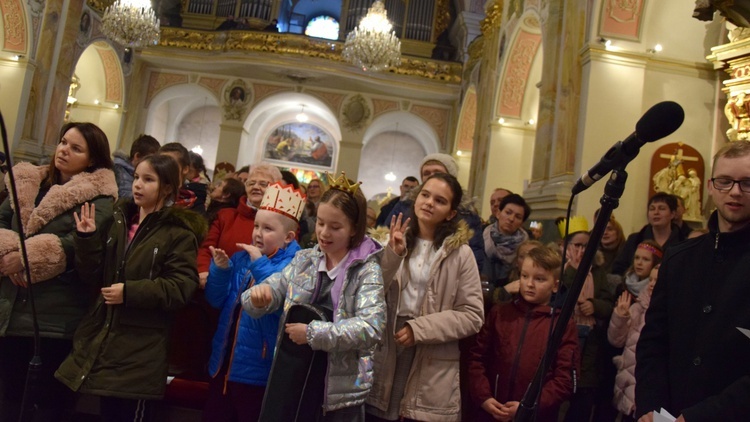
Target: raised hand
(85,223)
(220,257)
(623,303)
(260,295)
(251,250)
(397,240)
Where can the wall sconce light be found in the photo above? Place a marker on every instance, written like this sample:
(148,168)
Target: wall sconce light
(656,49)
(606,42)
(530,122)
(18,57)
(459,153)
(116,106)
(501,120)
(96,102)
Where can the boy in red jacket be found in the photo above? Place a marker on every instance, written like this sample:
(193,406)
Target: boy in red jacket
(512,342)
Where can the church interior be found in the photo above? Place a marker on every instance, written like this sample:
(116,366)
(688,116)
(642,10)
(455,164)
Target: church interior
(524,94)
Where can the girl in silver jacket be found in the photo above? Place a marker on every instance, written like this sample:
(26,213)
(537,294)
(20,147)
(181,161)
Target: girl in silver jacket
(342,273)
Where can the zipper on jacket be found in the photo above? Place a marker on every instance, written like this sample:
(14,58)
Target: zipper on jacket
(716,244)
(497,378)
(153,262)
(226,334)
(231,355)
(516,363)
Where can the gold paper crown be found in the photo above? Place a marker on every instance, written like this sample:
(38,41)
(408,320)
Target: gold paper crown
(577,224)
(285,200)
(342,183)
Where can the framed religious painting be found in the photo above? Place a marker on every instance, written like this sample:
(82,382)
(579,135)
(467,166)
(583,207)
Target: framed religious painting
(297,144)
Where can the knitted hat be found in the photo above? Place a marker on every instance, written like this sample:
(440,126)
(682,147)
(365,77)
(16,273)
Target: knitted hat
(446,160)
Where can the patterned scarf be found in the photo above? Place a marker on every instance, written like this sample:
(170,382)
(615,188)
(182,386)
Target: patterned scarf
(501,246)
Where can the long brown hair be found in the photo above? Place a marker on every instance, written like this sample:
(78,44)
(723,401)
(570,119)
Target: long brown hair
(98,146)
(444,229)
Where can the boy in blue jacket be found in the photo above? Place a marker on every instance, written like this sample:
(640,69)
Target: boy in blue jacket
(243,347)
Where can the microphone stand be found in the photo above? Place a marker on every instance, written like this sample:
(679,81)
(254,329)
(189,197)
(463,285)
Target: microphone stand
(35,364)
(610,200)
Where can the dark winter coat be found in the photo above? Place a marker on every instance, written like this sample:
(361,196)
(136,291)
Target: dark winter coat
(121,350)
(691,359)
(60,296)
(507,352)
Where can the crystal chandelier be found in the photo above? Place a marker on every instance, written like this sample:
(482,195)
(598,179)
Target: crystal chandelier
(131,23)
(372,45)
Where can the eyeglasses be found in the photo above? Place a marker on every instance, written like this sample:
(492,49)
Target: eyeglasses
(263,184)
(725,184)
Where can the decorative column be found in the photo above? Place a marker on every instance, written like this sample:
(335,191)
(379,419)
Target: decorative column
(553,167)
(734,59)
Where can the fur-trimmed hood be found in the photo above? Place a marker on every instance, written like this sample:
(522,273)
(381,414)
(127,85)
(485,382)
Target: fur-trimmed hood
(82,187)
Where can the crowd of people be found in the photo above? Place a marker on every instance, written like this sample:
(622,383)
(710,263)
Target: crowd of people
(435,314)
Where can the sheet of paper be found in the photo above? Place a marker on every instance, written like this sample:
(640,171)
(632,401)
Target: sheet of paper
(744,331)
(663,416)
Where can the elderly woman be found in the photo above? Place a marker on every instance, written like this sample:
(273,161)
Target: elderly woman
(80,171)
(235,225)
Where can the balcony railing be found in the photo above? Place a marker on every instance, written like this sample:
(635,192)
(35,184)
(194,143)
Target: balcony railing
(296,45)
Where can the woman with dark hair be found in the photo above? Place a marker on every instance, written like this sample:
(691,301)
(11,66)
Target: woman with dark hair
(434,299)
(80,171)
(198,181)
(145,271)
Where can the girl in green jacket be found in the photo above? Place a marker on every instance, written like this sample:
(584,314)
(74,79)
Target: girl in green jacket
(145,269)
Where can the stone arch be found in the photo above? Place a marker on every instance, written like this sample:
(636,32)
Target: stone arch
(517,98)
(278,109)
(395,142)
(167,109)
(467,121)
(101,90)
(15,34)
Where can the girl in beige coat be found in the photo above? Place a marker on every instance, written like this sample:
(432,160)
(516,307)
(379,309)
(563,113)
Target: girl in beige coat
(434,299)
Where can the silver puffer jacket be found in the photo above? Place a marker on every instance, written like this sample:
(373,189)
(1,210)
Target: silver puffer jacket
(358,321)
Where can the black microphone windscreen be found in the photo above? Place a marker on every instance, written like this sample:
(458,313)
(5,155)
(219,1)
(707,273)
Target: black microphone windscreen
(659,121)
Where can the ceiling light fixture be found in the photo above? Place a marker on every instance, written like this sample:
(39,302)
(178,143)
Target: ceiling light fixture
(131,23)
(301,116)
(373,44)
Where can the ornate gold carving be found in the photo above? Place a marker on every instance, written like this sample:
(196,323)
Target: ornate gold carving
(236,99)
(356,112)
(100,5)
(442,18)
(492,19)
(297,45)
(737,111)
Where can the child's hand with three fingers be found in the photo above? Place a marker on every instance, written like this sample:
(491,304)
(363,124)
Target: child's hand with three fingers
(397,241)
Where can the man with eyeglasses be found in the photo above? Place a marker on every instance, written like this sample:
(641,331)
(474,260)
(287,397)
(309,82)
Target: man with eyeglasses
(692,359)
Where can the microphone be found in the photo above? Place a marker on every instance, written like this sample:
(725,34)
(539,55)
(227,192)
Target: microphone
(659,121)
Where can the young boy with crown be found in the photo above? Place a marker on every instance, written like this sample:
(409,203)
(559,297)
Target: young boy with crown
(243,347)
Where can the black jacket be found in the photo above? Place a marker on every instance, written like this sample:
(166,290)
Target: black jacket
(691,358)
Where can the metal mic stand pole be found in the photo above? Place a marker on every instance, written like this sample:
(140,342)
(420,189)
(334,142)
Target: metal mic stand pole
(610,200)
(35,364)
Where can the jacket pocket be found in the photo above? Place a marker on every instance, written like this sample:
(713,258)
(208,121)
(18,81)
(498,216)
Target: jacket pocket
(143,318)
(438,386)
